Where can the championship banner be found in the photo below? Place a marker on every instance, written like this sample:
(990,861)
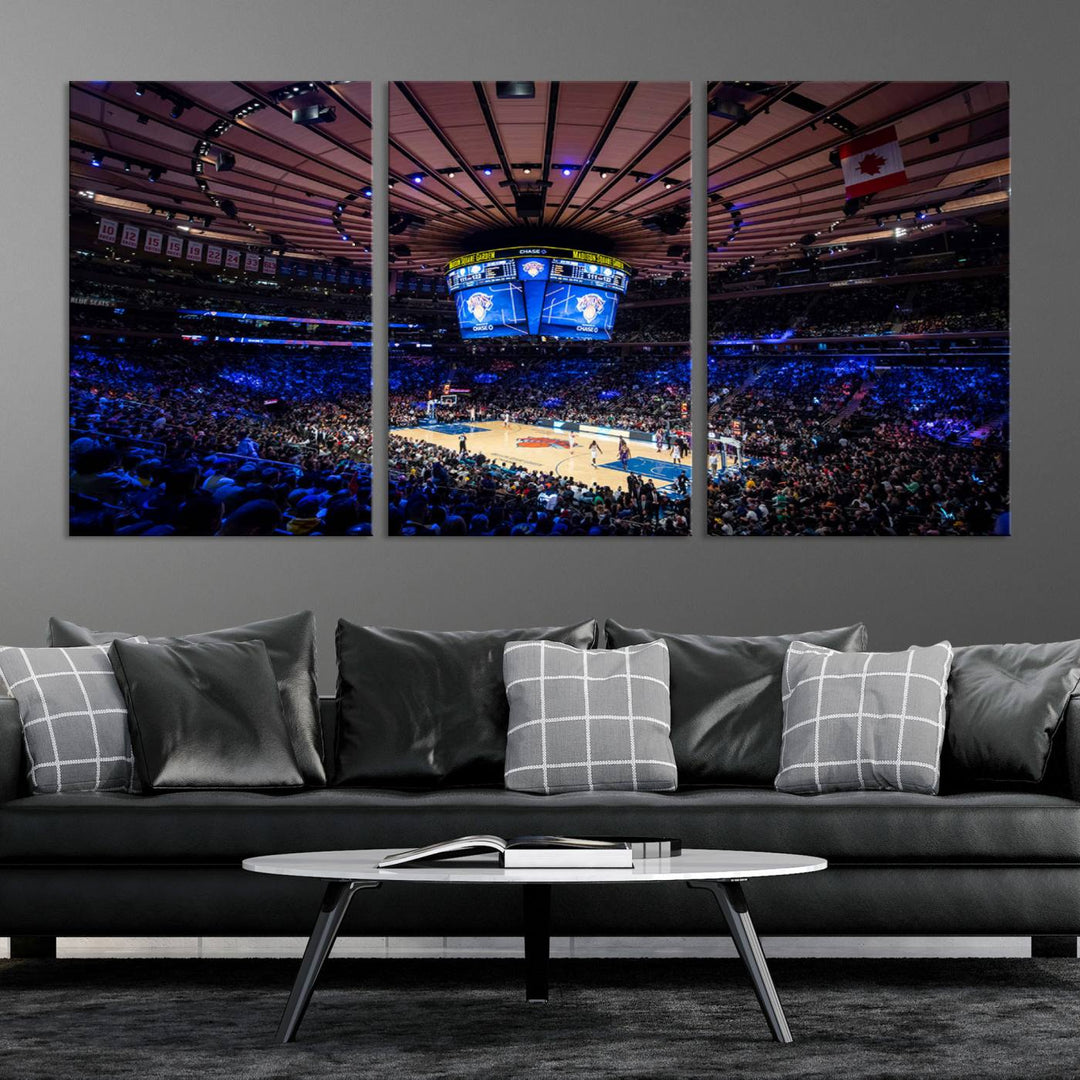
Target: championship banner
(194,250)
(269,264)
(129,236)
(232,259)
(286,268)
(174,247)
(872,163)
(107,230)
(152,242)
(317,273)
(251,261)
(331,274)
(213,254)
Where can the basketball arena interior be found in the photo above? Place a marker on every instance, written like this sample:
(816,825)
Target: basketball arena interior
(539,256)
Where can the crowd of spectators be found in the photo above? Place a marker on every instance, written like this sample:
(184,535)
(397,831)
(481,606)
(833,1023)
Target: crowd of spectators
(212,441)
(943,306)
(841,449)
(644,391)
(435,491)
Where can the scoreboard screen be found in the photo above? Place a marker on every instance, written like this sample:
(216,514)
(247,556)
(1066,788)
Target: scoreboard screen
(539,292)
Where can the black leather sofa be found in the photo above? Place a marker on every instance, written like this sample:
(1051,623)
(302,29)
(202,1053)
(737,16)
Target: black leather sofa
(994,862)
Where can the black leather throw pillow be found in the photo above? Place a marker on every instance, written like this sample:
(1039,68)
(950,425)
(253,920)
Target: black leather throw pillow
(427,709)
(205,715)
(726,708)
(1005,704)
(290,645)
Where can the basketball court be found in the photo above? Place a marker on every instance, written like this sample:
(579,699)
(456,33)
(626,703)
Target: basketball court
(548,450)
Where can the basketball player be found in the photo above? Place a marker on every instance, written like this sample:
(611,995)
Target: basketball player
(472,413)
(462,448)
(506,419)
(676,452)
(624,453)
(594,452)
(572,441)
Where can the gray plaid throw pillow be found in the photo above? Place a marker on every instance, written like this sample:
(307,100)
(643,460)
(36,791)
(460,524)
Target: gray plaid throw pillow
(73,717)
(588,719)
(863,721)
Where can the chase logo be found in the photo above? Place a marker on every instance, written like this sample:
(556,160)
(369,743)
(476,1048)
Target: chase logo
(532,267)
(479,304)
(590,305)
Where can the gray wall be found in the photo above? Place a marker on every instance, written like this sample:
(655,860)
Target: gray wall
(905,589)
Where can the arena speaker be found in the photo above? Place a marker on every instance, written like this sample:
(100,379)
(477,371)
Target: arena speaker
(529,204)
(515,90)
(314,114)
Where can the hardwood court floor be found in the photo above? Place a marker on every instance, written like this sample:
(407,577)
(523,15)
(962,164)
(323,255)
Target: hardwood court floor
(548,449)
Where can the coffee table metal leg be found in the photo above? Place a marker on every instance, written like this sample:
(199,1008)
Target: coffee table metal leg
(537,904)
(334,905)
(732,903)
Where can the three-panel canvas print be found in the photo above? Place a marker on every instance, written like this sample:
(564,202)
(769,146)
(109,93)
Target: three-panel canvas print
(538,244)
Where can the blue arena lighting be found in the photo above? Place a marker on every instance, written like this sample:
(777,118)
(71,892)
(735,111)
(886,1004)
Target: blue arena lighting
(487,172)
(366,193)
(250,317)
(418,178)
(567,170)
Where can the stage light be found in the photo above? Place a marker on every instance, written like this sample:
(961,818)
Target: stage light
(567,170)
(669,183)
(418,178)
(603,174)
(140,89)
(127,166)
(526,171)
(487,171)
(367,193)
(95,160)
(155,174)
(142,118)
(344,236)
(178,110)
(450,174)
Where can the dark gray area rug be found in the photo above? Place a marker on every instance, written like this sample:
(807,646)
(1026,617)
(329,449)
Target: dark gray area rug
(210,1019)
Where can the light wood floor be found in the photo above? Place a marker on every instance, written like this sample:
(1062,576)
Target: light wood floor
(501,444)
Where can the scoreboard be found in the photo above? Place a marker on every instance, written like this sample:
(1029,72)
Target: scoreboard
(537,292)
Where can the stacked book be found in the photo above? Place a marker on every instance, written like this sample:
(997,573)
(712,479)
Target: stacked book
(544,852)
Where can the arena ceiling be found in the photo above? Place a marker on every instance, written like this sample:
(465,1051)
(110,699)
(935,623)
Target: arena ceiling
(776,189)
(610,160)
(159,147)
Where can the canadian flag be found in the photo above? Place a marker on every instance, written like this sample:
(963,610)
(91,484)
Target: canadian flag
(872,163)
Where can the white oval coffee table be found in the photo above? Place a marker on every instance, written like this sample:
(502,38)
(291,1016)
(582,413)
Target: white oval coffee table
(721,872)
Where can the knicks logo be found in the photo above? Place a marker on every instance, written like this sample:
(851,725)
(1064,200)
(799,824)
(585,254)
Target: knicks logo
(590,305)
(539,442)
(479,304)
(532,267)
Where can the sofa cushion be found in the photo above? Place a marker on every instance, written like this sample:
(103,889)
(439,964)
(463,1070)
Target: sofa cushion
(73,717)
(726,712)
(424,709)
(859,721)
(205,715)
(588,719)
(227,826)
(1005,704)
(290,644)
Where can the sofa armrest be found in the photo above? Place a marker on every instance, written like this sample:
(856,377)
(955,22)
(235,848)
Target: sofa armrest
(11,750)
(1072,744)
